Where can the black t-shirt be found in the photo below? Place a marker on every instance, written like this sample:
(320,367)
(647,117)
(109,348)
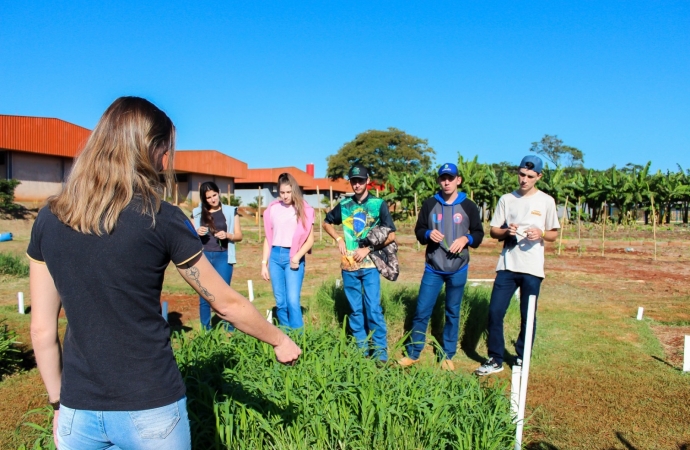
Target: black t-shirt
(211,244)
(116,353)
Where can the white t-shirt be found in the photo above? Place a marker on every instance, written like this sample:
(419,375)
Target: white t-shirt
(534,211)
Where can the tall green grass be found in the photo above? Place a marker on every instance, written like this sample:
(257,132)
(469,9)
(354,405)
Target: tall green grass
(333,398)
(13,265)
(10,355)
(399,302)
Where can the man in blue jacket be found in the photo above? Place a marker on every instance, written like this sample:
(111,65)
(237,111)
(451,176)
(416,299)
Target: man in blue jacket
(447,224)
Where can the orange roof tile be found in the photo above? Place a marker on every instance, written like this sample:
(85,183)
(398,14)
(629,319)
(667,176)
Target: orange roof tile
(43,135)
(209,162)
(271,176)
(324,184)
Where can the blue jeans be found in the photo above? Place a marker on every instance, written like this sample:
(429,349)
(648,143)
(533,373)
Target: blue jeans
(426,300)
(166,428)
(219,261)
(504,287)
(287,287)
(363,291)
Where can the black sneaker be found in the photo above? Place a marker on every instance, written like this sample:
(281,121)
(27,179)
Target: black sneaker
(489,367)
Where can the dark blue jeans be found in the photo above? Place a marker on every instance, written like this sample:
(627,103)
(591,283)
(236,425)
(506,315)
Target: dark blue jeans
(426,300)
(363,291)
(219,261)
(504,287)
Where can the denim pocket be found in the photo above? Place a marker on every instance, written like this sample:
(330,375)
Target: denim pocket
(156,423)
(65,420)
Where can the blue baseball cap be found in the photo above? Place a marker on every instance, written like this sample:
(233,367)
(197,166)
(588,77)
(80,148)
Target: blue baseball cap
(448,169)
(532,162)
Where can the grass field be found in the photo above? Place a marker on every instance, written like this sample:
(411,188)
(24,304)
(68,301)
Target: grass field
(600,379)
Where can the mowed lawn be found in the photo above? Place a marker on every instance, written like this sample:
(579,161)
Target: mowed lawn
(599,379)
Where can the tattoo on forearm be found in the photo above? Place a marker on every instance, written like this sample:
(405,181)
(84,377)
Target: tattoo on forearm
(193,273)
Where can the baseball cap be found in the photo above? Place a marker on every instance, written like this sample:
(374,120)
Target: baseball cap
(358,171)
(532,162)
(448,169)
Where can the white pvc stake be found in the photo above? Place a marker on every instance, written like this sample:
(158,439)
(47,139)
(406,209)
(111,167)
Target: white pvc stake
(529,334)
(337,283)
(269,315)
(640,310)
(517,294)
(686,356)
(515,390)
(251,290)
(20,302)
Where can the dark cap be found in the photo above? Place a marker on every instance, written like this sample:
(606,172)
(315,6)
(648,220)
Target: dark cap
(448,169)
(358,171)
(532,162)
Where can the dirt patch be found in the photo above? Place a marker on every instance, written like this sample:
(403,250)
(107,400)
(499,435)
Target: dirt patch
(672,339)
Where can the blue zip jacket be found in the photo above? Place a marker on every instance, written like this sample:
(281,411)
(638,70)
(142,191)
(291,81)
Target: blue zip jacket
(453,220)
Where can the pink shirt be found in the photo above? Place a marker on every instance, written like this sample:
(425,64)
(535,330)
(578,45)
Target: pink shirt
(284,224)
(301,231)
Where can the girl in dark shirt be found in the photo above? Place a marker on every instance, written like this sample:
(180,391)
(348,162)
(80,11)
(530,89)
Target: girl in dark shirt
(219,228)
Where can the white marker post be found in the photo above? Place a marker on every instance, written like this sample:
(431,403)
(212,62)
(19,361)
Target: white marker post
(517,294)
(529,334)
(269,315)
(640,311)
(251,290)
(686,355)
(337,282)
(515,391)
(164,311)
(20,302)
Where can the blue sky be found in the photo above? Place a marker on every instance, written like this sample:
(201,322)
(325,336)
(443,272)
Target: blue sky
(288,83)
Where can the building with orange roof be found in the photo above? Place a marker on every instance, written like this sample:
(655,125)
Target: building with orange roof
(193,167)
(38,151)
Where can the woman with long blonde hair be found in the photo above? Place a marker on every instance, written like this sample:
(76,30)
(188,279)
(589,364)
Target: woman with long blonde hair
(100,249)
(288,222)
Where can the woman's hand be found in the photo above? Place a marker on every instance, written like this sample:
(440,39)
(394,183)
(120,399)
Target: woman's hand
(222,235)
(202,231)
(264,272)
(294,264)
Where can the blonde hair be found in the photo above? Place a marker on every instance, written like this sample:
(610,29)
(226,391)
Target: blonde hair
(121,159)
(297,198)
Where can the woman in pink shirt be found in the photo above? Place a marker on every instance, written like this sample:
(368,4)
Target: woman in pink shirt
(289,236)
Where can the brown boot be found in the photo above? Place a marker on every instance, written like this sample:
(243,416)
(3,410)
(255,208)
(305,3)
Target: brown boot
(447,364)
(407,362)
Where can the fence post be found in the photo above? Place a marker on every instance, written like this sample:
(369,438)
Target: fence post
(20,303)
(318,199)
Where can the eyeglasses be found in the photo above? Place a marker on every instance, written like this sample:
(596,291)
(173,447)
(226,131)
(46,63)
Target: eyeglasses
(358,181)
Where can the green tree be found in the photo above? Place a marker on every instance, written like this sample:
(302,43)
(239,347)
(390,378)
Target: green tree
(383,153)
(552,148)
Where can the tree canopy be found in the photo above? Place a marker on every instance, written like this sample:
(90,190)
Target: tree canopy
(552,148)
(383,153)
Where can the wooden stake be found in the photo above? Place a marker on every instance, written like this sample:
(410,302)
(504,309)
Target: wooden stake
(258,216)
(318,210)
(603,229)
(177,190)
(416,214)
(199,192)
(651,197)
(331,195)
(565,215)
(579,213)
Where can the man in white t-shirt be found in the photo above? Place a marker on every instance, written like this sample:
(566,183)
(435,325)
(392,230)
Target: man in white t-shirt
(523,220)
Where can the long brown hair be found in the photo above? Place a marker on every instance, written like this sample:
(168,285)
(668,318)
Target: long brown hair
(206,217)
(297,198)
(121,159)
